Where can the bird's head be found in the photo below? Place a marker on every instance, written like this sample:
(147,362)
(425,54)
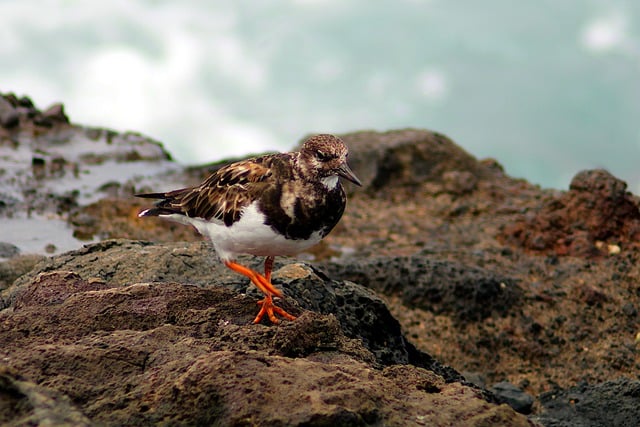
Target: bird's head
(327,155)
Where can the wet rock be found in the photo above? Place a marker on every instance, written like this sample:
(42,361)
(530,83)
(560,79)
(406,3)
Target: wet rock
(55,168)
(596,209)
(513,396)
(8,250)
(48,149)
(612,403)
(444,287)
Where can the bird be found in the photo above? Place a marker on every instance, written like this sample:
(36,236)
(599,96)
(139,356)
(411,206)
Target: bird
(271,205)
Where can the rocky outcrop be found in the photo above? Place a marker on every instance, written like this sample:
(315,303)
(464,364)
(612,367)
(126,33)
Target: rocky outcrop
(361,314)
(443,287)
(51,169)
(595,217)
(612,403)
(441,264)
(410,157)
(18,115)
(109,328)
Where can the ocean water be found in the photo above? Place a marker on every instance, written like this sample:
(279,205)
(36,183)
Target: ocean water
(546,87)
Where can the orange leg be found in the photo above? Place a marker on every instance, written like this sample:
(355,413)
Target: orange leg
(260,281)
(268,266)
(264,284)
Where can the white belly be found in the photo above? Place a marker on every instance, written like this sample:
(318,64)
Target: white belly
(248,235)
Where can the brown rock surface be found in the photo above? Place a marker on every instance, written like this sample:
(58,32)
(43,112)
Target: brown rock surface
(149,353)
(596,215)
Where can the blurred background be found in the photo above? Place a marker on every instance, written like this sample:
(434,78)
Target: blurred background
(547,87)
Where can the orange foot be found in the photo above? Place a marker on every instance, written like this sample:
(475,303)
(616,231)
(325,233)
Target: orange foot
(270,309)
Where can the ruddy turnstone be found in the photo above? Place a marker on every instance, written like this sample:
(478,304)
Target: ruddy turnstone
(277,204)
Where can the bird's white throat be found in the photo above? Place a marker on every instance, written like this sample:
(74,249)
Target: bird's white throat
(330,181)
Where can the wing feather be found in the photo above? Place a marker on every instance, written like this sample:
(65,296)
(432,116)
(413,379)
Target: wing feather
(222,195)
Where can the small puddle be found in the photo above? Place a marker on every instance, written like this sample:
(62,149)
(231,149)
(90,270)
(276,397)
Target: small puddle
(38,235)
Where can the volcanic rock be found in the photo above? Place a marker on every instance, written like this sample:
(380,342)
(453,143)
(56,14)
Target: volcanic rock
(125,352)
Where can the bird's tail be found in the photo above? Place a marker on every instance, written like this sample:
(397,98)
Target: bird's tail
(152,195)
(154,212)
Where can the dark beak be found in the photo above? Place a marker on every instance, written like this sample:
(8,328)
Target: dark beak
(345,171)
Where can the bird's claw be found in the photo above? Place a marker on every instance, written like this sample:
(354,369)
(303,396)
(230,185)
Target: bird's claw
(270,309)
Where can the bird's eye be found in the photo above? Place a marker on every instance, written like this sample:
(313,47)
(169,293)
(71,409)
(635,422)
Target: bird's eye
(323,157)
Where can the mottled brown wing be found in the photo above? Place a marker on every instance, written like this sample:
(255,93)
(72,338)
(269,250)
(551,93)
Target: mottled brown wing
(223,194)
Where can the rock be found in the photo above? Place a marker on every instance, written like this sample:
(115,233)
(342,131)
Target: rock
(600,182)
(476,378)
(596,209)
(161,352)
(629,310)
(15,267)
(8,250)
(459,182)
(406,157)
(9,117)
(362,315)
(467,293)
(25,102)
(54,288)
(56,113)
(24,403)
(612,403)
(21,111)
(513,396)
(49,155)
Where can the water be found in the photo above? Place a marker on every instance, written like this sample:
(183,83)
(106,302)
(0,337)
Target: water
(547,87)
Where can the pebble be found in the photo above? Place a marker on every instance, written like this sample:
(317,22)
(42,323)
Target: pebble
(629,310)
(8,250)
(513,396)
